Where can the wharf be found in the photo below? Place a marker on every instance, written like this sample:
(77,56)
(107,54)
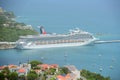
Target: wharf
(7,42)
(108,41)
(7,45)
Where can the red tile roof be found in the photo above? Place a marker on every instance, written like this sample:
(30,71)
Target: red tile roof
(54,66)
(67,77)
(61,77)
(2,67)
(22,70)
(12,66)
(45,66)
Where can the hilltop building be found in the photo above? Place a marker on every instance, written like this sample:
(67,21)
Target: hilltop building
(22,69)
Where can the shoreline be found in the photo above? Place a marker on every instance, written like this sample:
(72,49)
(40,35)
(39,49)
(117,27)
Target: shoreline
(7,45)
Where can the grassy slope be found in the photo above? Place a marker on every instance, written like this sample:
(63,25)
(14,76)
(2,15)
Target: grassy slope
(12,34)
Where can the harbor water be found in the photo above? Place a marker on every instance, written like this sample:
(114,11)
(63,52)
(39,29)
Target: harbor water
(98,17)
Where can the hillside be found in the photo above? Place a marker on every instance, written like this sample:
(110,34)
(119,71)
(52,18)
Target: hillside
(10,30)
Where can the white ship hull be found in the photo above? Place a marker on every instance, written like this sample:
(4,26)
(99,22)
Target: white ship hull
(75,37)
(57,45)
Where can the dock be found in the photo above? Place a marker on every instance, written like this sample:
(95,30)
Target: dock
(107,41)
(7,45)
(7,42)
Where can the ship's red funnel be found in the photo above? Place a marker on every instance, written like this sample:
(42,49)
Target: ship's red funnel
(42,30)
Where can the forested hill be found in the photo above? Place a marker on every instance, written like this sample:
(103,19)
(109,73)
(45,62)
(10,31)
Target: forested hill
(10,30)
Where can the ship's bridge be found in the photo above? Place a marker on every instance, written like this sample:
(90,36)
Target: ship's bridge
(77,31)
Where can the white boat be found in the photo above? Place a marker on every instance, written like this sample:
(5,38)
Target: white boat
(75,37)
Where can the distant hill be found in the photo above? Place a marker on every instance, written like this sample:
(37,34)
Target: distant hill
(10,30)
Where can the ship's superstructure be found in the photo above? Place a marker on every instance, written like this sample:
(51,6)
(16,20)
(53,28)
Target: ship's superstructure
(75,37)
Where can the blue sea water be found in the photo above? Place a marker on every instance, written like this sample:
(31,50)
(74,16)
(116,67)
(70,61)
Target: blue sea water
(59,16)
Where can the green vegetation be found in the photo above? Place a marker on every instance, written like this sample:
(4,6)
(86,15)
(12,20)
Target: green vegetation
(34,64)
(6,18)
(64,70)
(22,77)
(48,74)
(32,75)
(10,30)
(13,76)
(52,78)
(12,34)
(9,14)
(2,77)
(50,71)
(92,76)
(6,72)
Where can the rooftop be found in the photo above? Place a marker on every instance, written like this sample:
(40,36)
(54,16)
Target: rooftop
(22,70)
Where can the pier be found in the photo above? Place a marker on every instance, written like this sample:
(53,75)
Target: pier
(7,42)
(108,41)
(7,45)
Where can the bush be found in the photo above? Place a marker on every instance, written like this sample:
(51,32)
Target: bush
(65,70)
(35,63)
(12,34)
(2,77)
(13,76)
(92,76)
(32,76)
(9,31)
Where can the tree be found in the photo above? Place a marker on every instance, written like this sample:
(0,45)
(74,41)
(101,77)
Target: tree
(10,30)
(52,78)
(52,71)
(3,20)
(65,70)
(2,77)
(12,34)
(43,78)
(6,72)
(22,77)
(32,76)
(13,76)
(9,14)
(93,76)
(35,63)
(33,72)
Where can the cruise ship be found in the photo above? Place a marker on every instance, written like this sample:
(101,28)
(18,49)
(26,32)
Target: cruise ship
(75,37)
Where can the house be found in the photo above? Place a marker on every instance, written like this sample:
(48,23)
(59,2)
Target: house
(69,76)
(2,67)
(74,71)
(13,68)
(54,66)
(22,71)
(60,77)
(73,75)
(25,65)
(38,71)
(44,66)
(47,66)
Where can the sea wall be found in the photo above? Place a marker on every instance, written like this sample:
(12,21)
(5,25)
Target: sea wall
(7,45)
